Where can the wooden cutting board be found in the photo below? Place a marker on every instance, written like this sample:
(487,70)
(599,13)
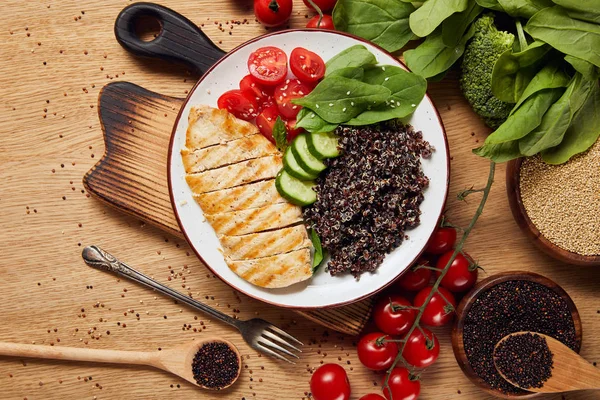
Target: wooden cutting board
(132,174)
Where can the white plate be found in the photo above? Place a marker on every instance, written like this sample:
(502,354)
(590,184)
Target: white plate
(322,290)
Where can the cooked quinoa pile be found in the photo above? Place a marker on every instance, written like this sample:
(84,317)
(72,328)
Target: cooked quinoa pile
(370,195)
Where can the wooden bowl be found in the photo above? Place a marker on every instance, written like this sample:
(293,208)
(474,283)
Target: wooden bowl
(513,189)
(465,306)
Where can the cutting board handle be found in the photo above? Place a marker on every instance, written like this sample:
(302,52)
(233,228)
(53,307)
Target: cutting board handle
(179,39)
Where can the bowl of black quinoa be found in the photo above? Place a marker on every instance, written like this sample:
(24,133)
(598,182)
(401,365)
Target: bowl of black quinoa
(506,303)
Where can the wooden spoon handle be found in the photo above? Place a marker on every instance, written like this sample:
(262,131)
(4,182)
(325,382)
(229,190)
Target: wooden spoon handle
(76,354)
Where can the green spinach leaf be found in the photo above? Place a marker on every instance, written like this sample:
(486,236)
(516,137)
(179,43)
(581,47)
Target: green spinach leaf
(349,72)
(490,4)
(524,8)
(588,70)
(499,152)
(280,134)
(432,13)
(587,10)
(318,255)
(311,122)
(550,77)
(582,133)
(513,71)
(571,36)
(355,56)
(383,22)
(457,24)
(407,90)
(337,99)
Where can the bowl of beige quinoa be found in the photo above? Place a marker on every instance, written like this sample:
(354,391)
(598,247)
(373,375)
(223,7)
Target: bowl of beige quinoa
(558,206)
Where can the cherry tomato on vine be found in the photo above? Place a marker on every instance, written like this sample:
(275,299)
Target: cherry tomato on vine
(324,5)
(287,91)
(391,318)
(375,353)
(309,67)
(268,65)
(265,121)
(272,12)
(239,103)
(414,280)
(442,240)
(421,350)
(461,275)
(326,22)
(403,386)
(372,396)
(437,312)
(330,382)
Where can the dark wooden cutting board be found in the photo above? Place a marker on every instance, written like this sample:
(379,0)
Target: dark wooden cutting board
(132,174)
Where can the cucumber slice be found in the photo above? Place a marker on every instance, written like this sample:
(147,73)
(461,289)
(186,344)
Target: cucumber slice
(293,168)
(294,190)
(307,161)
(323,145)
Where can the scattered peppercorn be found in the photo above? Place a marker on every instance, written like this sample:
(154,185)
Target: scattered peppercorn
(215,365)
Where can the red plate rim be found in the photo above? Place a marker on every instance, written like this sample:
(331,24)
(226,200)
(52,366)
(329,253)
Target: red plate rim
(176,123)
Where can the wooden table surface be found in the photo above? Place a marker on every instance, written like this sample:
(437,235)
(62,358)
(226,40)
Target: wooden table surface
(55,57)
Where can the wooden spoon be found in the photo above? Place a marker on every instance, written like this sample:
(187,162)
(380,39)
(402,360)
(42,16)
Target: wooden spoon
(570,371)
(177,361)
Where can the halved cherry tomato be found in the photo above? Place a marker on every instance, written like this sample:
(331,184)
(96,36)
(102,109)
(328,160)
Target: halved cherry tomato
(414,280)
(265,121)
(262,94)
(461,275)
(391,318)
(437,312)
(330,382)
(326,22)
(272,12)
(285,92)
(306,65)
(268,65)
(375,353)
(324,5)
(238,103)
(292,131)
(402,385)
(421,350)
(441,241)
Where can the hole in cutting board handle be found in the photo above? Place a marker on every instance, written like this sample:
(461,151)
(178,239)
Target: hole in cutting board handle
(178,40)
(147,28)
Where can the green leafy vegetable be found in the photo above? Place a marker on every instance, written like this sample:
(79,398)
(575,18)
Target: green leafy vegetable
(355,56)
(499,152)
(280,134)
(588,70)
(581,135)
(349,72)
(311,122)
(454,28)
(549,77)
(523,8)
(407,91)
(384,22)
(338,99)
(490,4)
(432,13)
(571,36)
(318,255)
(581,9)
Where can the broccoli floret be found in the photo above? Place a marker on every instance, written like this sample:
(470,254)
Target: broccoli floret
(486,46)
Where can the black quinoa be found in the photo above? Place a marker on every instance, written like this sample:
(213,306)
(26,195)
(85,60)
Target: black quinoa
(215,365)
(510,307)
(369,195)
(525,360)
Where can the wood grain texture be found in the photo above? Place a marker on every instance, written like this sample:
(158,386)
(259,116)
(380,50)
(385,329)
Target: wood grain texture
(132,174)
(81,56)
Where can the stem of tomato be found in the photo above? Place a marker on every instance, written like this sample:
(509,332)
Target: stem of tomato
(318,10)
(435,289)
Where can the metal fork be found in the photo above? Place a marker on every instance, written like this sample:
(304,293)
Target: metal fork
(258,333)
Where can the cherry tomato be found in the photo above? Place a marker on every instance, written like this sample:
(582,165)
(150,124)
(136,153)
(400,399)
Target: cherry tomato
(292,131)
(438,312)
(375,353)
(390,318)
(324,5)
(265,121)
(421,351)
(441,241)
(306,65)
(372,396)
(330,382)
(403,386)
(461,275)
(413,280)
(272,12)
(326,22)
(262,94)
(268,65)
(238,103)
(285,92)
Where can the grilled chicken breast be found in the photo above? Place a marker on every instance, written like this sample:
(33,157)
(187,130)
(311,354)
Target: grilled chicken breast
(230,169)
